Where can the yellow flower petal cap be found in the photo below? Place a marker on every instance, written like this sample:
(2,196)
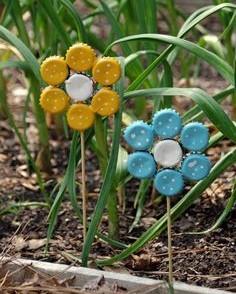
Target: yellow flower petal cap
(105,102)
(54,100)
(106,71)
(54,70)
(80,117)
(80,57)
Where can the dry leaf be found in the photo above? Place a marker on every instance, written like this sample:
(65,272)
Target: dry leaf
(30,186)
(34,244)
(19,243)
(3,157)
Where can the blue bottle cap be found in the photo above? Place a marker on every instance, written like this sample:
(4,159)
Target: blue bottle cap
(196,167)
(194,137)
(169,182)
(141,165)
(167,123)
(139,135)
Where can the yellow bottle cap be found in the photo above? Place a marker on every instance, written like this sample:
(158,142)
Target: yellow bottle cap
(54,70)
(106,71)
(80,117)
(105,102)
(80,57)
(54,100)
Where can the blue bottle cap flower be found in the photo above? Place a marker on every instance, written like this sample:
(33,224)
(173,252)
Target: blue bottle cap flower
(194,137)
(141,165)
(195,167)
(139,135)
(169,182)
(167,151)
(167,123)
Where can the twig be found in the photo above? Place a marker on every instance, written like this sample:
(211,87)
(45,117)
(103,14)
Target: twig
(84,196)
(169,245)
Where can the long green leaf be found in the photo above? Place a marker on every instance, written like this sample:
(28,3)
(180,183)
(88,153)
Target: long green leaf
(205,102)
(82,36)
(22,48)
(195,112)
(223,216)
(190,23)
(219,64)
(225,162)
(17,16)
(14,64)
(109,176)
(59,26)
(52,217)
(115,26)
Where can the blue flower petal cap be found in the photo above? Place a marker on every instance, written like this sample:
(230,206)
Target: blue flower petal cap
(141,165)
(195,167)
(139,135)
(169,182)
(194,137)
(167,123)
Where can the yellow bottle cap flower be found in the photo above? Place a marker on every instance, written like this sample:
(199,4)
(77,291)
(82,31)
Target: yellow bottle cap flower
(105,102)
(80,117)
(106,71)
(54,70)
(54,100)
(80,57)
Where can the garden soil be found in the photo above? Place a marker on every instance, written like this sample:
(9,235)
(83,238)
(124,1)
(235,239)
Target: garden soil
(200,259)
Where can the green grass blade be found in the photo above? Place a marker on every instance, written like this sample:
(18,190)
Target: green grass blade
(195,18)
(17,16)
(23,49)
(3,97)
(22,65)
(229,28)
(121,168)
(71,171)
(228,160)
(82,36)
(190,23)
(56,21)
(53,213)
(206,103)
(166,81)
(24,146)
(136,67)
(14,207)
(219,64)
(108,180)
(110,241)
(223,216)
(147,21)
(88,19)
(116,28)
(132,57)
(140,201)
(6,14)
(195,112)
(201,14)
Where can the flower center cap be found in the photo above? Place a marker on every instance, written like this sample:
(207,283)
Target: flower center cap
(79,87)
(168,153)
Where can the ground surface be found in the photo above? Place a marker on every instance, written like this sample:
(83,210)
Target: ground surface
(207,260)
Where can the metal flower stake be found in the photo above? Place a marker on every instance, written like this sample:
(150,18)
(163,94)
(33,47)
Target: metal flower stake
(81,85)
(171,154)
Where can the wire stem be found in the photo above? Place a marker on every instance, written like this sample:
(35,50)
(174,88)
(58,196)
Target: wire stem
(83,187)
(171,288)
